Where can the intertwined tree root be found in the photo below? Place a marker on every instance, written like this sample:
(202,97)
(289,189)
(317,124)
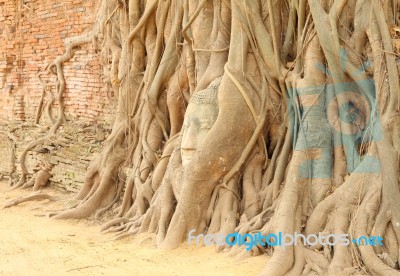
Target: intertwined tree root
(306,139)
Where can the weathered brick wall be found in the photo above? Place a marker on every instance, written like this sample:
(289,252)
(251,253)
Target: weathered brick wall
(76,145)
(32,34)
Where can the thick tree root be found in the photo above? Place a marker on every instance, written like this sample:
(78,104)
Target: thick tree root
(37,196)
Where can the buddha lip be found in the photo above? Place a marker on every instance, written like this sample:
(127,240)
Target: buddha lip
(188,151)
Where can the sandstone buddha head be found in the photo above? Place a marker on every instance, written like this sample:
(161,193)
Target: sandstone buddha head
(200,116)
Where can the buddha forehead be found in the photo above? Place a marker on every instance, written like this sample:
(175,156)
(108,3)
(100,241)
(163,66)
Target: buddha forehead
(203,105)
(201,112)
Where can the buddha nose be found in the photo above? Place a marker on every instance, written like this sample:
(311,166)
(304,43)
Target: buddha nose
(189,139)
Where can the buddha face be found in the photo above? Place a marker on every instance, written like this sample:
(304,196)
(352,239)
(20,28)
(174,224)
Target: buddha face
(199,118)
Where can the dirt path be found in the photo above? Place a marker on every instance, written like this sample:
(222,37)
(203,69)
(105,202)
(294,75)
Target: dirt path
(32,245)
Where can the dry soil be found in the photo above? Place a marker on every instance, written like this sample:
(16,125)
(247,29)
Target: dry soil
(31,244)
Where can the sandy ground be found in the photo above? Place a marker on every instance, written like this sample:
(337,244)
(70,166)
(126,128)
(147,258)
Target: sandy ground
(35,245)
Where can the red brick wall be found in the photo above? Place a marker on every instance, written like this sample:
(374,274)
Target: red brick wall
(32,34)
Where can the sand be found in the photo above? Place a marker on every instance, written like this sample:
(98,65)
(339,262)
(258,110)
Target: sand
(35,245)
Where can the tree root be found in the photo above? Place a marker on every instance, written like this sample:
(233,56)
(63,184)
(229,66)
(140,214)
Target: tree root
(37,196)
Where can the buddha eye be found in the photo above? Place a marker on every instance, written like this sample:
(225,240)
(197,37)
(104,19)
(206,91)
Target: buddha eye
(205,125)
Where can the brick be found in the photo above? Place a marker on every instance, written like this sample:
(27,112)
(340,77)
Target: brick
(81,9)
(86,97)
